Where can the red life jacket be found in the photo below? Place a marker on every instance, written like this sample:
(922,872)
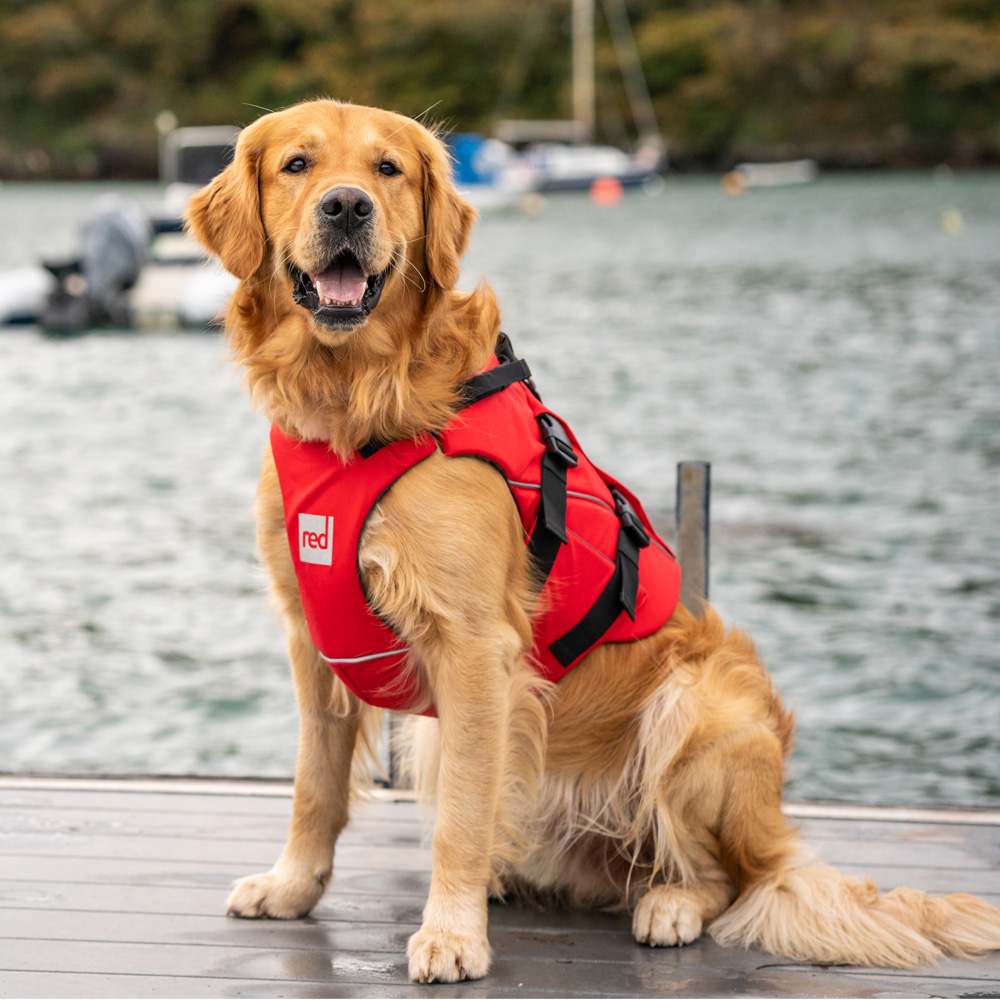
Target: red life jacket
(609,577)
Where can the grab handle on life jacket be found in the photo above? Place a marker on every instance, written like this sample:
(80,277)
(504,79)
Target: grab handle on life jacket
(511,369)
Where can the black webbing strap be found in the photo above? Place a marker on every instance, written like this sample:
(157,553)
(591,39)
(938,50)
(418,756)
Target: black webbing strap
(510,370)
(487,383)
(550,525)
(619,593)
(367,450)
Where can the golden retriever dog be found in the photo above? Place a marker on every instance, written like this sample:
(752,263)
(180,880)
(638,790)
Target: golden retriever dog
(650,777)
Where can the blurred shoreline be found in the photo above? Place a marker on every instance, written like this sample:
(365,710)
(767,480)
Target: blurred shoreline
(857,84)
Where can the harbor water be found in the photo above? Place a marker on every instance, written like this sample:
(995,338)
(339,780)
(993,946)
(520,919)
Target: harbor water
(832,349)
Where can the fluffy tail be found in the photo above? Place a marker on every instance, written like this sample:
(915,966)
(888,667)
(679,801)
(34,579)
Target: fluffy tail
(810,911)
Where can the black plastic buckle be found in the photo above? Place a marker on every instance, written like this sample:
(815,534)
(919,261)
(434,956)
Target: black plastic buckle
(504,349)
(505,354)
(556,440)
(634,528)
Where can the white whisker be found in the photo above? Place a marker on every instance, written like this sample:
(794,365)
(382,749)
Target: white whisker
(415,118)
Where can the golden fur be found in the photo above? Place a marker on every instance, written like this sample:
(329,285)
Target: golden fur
(651,777)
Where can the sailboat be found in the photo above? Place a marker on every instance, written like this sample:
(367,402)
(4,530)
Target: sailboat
(562,155)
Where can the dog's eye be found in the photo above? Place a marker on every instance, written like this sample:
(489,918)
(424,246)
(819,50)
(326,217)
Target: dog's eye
(295,165)
(388,168)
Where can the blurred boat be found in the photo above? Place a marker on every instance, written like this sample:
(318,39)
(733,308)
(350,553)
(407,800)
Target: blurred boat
(562,155)
(776,174)
(769,175)
(23,291)
(560,167)
(489,173)
(134,268)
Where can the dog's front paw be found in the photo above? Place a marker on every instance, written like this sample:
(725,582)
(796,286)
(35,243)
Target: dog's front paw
(666,915)
(438,956)
(276,894)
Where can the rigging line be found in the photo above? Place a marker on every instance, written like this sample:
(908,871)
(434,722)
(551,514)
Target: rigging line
(630,66)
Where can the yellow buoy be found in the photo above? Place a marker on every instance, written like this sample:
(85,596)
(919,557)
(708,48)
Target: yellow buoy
(952,222)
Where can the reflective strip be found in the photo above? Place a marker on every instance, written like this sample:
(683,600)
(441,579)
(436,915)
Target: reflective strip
(593,499)
(364,659)
(569,493)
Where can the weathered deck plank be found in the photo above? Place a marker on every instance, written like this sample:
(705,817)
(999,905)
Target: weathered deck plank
(114,889)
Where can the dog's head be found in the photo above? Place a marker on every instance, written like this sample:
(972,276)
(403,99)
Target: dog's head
(343,213)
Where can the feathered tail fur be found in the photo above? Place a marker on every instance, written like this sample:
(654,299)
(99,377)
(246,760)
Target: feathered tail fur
(811,911)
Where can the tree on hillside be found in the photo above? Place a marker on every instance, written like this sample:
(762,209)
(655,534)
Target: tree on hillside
(846,81)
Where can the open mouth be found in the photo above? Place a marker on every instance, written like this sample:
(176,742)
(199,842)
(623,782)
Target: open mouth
(341,295)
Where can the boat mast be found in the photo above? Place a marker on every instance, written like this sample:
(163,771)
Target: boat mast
(632,76)
(584,100)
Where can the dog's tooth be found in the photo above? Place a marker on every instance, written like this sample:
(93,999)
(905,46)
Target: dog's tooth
(338,304)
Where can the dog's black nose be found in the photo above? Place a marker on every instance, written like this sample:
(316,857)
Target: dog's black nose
(347,208)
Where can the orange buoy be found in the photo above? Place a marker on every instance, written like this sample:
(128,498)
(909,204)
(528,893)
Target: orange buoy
(606,191)
(734,183)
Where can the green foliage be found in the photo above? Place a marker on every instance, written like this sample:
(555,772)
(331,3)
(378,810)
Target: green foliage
(846,81)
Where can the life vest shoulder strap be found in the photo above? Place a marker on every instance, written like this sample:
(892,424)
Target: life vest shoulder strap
(508,370)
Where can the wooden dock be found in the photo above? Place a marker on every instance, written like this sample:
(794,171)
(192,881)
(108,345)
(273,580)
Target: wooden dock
(115,888)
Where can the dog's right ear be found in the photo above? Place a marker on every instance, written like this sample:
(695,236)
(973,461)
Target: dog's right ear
(448,217)
(225,216)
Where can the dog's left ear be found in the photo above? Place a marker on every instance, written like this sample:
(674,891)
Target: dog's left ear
(225,216)
(448,217)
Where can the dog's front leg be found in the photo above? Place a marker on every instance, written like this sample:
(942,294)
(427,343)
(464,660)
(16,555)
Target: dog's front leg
(329,720)
(327,737)
(473,710)
(446,562)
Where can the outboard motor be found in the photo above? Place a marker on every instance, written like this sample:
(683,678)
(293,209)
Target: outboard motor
(91,291)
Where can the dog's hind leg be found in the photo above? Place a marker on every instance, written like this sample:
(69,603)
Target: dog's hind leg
(789,903)
(712,807)
(716,788)
(711,744)
(676,914)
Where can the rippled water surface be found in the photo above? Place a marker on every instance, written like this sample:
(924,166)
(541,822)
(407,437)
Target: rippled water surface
(830,349)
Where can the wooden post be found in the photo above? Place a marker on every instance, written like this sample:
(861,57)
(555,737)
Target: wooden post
(389,730)
(693,487)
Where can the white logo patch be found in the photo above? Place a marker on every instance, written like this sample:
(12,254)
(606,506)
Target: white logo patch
(316,539)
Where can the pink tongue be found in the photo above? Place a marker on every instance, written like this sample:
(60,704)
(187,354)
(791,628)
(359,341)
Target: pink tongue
(342,283)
